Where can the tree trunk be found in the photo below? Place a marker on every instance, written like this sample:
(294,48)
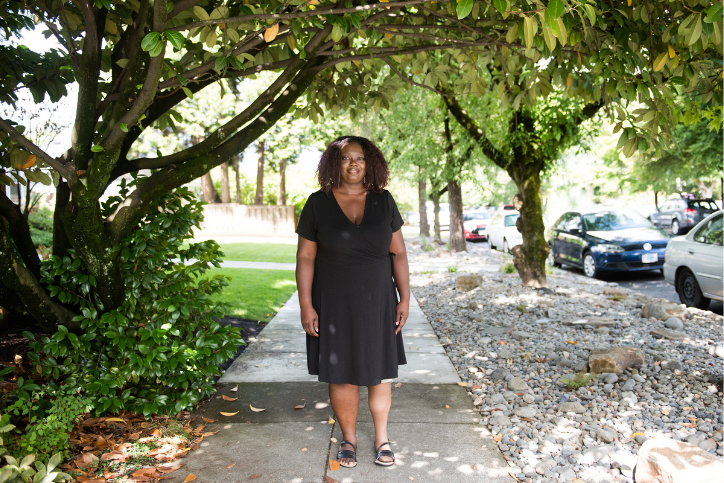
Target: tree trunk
(208,192)
(436,211)
(237,175)
(282,196)
(422,200)
(259,197)
(656,199)
(530,257)
(225,194)
(457,232)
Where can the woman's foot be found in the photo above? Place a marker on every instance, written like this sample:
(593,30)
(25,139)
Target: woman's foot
(347,455)
(385,456)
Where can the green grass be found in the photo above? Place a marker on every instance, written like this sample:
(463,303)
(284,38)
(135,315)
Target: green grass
(255,294)
(259,252)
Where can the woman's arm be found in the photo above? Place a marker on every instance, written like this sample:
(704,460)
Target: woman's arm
(401,270)
(306,254)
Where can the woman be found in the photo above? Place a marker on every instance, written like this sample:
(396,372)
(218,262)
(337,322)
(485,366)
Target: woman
(350,247)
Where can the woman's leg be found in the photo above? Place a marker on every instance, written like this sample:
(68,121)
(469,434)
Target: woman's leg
(380,401)
(345,402)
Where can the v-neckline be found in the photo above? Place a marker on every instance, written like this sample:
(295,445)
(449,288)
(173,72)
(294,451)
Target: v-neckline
(364,211)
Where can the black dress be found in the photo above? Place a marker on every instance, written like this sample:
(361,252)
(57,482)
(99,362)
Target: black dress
(353,291)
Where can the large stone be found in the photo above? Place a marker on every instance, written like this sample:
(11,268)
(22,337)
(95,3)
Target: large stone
(571,407)
(525,412)
(593,321)
(666,460)
(517,384)
(466,283)
(663,310)
(614,291)
(615,359)
(674,323)
(669,334)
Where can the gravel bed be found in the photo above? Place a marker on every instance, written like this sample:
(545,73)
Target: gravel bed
(512,346)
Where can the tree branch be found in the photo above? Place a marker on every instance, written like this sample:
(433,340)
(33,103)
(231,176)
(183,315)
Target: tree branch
(20,231)
(29,146)
(409,80)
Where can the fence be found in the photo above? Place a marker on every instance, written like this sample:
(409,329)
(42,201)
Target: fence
(260,220)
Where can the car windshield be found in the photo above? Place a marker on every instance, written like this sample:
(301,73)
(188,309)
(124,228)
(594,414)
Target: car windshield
(614,220)
(476,216)
(510,219)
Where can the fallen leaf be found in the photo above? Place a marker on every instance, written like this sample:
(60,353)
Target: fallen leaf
(232,464)
(475,467)
(229,414)
(261,365)
(540,360)
(331,421)
(190,477)
(498,438)
(527,419)
(637,433)
(252,477)
(502,342)
(304,449)
(234,389)
(115,419)
(145,425)
(577,480)
(411,478)
(156,432)
(208,420)
(227,398)
(688,425)
(398,385)
(329,479)
(300,406)
(571,342)
(334,440)
(256,410)
(436,345)
(461,383)
(333,465)
(447,407)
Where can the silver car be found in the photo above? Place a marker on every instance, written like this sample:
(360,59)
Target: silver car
(694,263)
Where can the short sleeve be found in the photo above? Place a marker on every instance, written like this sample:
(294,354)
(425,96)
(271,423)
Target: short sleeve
(306,226)
(396,222)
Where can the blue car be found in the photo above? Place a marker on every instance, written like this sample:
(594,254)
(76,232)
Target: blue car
(607,241)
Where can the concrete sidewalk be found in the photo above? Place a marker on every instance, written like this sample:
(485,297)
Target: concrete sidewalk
(433,423)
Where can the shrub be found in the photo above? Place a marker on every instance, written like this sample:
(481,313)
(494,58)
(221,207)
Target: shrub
(160,350)
(509,268)
(22,472)
(41,227)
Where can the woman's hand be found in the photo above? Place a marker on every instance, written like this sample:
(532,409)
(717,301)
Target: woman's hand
(403,310)
(310,321)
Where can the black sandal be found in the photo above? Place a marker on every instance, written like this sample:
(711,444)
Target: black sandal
(382,453)
(347,454)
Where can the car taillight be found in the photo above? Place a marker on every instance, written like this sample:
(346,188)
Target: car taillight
(690,211)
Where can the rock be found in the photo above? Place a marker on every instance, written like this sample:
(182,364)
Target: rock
(520,335)
(614,291)
(544,466)
(628,385)
(571,407)
(707,445)
(567,473)
(478,401)
(492,330)
(717,351)
(594,322)
(529,412)
(615,359)
(669,334)
(517,384)
(499,374)
(596,453)
(505,353)
(499,419)
(605,436)
(667,460)
(626,462)
(663,310)
(609,378)
(674,323)
(434,254)
(445,254)
(466,283)
(671,365)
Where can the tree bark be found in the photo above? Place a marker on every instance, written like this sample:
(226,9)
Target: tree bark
(436,213)
(237,175)
(208,192)
(225,194)
(656,199)
(259,197)
(422,207)
(457,233)
(282,197)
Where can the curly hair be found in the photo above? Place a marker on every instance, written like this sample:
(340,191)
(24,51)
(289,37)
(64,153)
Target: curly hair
(376,173)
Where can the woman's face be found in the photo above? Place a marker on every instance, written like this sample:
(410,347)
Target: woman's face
(353,163)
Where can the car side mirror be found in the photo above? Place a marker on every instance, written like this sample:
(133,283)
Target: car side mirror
(575,231)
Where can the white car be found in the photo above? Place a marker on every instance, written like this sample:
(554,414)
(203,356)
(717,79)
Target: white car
(694,263)
(502,233)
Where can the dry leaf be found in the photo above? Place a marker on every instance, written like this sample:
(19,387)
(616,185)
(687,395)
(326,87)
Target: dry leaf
(256,410)
(145,425)
(190,477)
(331,421)
(498,438)
(115,419)
(461,383)
(329,479)
(398,385)
(208,420)
(229,414)
(475,467)
(573,342)
(252,477)
(234,389)
(261,365)
(577,480)
(333,465)
(447,407)
(232,464)
(155,432)
(411,478)
(304,449)
(436,345)
(637,433)
(227,398)
(300,406)
(334,440)
(271,32)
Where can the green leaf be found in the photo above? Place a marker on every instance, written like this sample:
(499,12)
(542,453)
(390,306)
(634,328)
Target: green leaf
(556,8)
(464,8)
(220,64)
(156,50)
(660,61)
(336,33)
(150,41)
(97,148)
(562,32)
(176,38)
(122,62)
(590,13)
(529,25)
(188,92)
(501,6)
(201,13)
(696,33)
(124,127)
(714,13)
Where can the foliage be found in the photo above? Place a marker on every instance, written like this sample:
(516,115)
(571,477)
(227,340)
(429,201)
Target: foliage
(51,413)
(41,227)
(452,268)
(508,267)
(582,379)
(21,471)
(159,351)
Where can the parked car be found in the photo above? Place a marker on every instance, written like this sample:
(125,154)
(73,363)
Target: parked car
(607,240)
(680,215)
(694,263)
(475,225)
(502,232)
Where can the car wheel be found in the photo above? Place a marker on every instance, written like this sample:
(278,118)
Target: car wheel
(675,228)
(490,244)
(689,291)
(589,265)
(506,248)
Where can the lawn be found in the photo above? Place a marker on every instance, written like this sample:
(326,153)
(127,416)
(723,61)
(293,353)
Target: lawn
(260,252)
(255,294)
